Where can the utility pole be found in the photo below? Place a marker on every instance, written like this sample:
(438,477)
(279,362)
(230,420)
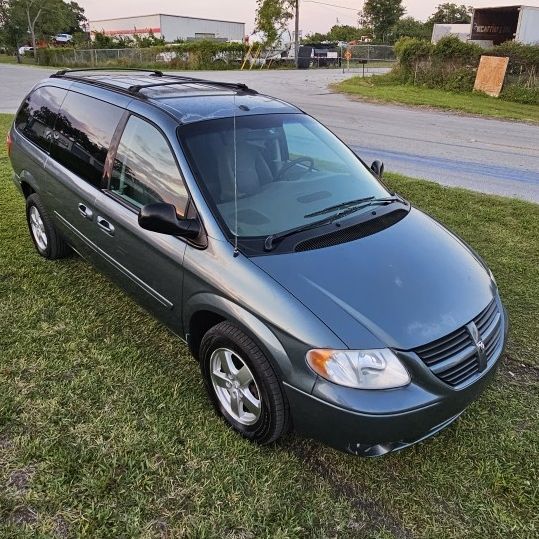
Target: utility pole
(296,37)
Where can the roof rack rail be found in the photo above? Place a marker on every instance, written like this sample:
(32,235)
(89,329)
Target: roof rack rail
(135,89)
(64,72)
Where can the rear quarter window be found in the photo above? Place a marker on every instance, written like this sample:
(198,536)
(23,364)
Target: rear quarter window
(37,115)
(82,135)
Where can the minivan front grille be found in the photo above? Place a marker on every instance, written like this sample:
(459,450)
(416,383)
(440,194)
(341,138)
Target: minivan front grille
(455,358)
(361,230)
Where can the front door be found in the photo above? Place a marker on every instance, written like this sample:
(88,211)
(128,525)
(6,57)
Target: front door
(147,264)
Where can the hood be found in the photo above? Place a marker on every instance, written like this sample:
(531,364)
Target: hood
(402,287)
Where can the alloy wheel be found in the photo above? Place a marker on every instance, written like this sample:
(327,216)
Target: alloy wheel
(235,386)
(38,229)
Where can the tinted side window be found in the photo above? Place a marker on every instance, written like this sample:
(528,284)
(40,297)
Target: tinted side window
(144,170)
(36,117)
(299,138)
(82,135)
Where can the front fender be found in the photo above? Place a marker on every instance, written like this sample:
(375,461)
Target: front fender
(290,367)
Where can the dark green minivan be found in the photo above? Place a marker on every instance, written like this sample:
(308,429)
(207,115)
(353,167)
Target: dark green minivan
(314,298)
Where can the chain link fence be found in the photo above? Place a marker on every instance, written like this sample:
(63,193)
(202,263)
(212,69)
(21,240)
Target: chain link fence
(143,57)
(354,59)
(364,58)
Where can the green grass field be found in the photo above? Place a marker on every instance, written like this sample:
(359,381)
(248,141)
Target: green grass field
(11,59)
(105,430)
(371,89)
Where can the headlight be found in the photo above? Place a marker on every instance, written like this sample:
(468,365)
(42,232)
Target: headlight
(363,369)
(492,277)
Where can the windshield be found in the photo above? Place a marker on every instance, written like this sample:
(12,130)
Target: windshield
(288,167)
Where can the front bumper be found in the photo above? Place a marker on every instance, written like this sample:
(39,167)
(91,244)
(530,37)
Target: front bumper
(372,423)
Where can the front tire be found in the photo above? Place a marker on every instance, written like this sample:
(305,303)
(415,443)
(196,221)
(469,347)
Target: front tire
(242,384)
(47,240)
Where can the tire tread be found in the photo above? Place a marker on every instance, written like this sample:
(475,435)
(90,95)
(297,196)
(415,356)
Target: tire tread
(57,247)
(264,370)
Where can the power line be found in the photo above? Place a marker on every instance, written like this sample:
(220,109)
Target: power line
(331,5)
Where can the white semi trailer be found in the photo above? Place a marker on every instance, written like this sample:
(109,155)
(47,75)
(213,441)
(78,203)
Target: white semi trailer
(499,24)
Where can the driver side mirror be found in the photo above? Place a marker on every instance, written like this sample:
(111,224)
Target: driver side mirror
(161,217)
(378,168)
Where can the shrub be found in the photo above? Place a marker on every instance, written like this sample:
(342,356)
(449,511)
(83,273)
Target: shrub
(103,41)
(460,80)
(452,49)
(191,55)
(521,57)
(522,70)
(451,64)
(148,41)
(513,92)
(410,50)
(45,56)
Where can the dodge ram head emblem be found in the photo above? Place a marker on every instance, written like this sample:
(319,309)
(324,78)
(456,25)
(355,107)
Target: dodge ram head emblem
(479,346)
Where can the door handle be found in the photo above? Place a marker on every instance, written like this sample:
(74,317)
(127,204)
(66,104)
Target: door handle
(105,226)
(85,211)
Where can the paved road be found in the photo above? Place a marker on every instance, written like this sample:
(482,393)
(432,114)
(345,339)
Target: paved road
(491,156)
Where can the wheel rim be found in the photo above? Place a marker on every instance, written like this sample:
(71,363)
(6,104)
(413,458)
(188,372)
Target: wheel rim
(235,386)
(38,229)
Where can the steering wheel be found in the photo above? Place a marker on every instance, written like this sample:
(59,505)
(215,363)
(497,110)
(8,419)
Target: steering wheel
(293,163)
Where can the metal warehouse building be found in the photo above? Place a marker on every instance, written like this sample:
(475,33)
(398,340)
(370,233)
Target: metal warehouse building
(171,27)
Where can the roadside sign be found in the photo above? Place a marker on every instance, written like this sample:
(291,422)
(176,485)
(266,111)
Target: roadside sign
(348,55)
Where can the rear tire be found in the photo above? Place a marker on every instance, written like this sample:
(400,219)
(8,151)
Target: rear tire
(47,240)
(242,384)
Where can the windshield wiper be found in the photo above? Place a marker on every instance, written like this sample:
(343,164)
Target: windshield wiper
(272,238)
(339,206)
(353,203)
(344,209)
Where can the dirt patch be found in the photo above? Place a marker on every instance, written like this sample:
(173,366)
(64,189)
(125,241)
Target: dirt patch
(20,479)
(23,515)
(160,526)
(61,527)
(238,534)
(307,453)
(5,442)
(518,371)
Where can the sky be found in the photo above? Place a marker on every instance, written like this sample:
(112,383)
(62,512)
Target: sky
(314,16)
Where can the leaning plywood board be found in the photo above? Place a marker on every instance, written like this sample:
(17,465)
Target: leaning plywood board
(490,75)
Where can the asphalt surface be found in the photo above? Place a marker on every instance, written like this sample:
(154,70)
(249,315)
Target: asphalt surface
(491,156)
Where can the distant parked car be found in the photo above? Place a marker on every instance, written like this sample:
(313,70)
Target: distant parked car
(24,49)
(313,297)
(62,38)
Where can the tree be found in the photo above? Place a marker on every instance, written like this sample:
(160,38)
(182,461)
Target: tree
(410,27)
(272,18)
(381,16)
(11,33)
(344,32)
(337,33)
(451,13)
(148,41)
(316,37)
(79,20)
(43,18)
